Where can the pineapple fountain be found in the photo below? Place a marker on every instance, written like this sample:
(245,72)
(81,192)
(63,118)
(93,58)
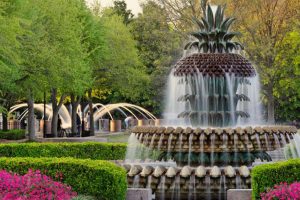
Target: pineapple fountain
(216,92)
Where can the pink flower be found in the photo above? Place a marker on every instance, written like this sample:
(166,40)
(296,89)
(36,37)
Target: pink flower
(33,186)
(283,192)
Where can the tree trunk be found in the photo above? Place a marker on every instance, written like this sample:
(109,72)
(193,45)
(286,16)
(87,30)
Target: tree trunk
(92,129)
(75,102)
(271,113)
(82,118)
(54,123)
(31,120)
(55,109)
(4,121)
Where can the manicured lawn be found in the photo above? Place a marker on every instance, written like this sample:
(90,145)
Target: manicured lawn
(121,137)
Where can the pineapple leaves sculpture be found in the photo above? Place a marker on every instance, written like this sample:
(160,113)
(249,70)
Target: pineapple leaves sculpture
(214,34)
(213,76)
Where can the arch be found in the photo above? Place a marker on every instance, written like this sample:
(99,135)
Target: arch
(63,112)
(127,107)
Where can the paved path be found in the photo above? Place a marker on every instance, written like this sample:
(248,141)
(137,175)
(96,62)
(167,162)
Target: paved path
(73,139)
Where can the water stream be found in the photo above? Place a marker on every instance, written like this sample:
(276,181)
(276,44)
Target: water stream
(190,149)
(169,146)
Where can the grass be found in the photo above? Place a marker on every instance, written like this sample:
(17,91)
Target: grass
(119,138)
(83,197)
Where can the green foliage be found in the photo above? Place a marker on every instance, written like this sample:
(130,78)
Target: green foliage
(53,52)
(267,175)
(214,35)
(83,197)
(264,25)
(125,75)
(101,179)
(120,8)
(91,150)
(287,90)
(159,47)
(14,134)
(10,59)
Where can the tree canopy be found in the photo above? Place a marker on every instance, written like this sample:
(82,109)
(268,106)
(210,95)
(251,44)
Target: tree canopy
(71,49)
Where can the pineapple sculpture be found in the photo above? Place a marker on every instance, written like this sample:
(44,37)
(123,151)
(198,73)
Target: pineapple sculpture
(212,76)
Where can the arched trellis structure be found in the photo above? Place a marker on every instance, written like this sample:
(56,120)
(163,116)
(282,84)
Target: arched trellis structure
(101,111)
(99,106)
(63,113)
(131,108)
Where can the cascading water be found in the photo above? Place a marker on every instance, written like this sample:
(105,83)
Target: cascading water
(169,146)
(131,148)
(212,101)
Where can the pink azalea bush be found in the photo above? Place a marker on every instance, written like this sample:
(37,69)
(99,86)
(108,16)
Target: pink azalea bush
(33,186)
(283,192)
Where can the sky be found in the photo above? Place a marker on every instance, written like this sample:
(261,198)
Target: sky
(132,5)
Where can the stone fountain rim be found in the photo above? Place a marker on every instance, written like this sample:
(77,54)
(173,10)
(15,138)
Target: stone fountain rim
(218,130)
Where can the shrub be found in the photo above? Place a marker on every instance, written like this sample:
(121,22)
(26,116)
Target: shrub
(14,134)
(32,186)
(101,179)
(266,176)
(91,150)
(283,191)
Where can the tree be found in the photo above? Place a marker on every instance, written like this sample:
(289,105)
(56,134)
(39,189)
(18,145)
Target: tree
(73,72)
(264,24)
(117,72)
(120,8)
(122,62)
(159,47)
(10,58)
(181,12)
(54,55)
(287,91)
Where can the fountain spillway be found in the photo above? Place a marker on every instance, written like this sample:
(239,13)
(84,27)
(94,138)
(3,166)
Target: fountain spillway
(235,146)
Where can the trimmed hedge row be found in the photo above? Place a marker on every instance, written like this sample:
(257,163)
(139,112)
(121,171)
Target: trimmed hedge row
(267,175)
(101,179)
(84,150)
(14,134)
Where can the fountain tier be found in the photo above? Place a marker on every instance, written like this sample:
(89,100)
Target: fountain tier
(238,139)
(188,182)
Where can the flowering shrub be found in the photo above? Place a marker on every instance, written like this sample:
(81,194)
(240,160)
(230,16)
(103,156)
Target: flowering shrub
(283,192)
(33,186)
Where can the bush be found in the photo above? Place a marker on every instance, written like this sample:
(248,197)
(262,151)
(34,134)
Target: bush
(91,150)
(32,186)
(283,191)
(266,176)
(101,179)
(14,134)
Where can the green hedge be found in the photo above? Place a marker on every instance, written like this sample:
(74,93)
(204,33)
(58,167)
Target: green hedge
(14,134)
(267,175)
(101,179)
(91,150)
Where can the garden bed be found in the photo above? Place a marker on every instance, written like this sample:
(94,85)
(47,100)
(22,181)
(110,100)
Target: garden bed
(100,179)
(267,175)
